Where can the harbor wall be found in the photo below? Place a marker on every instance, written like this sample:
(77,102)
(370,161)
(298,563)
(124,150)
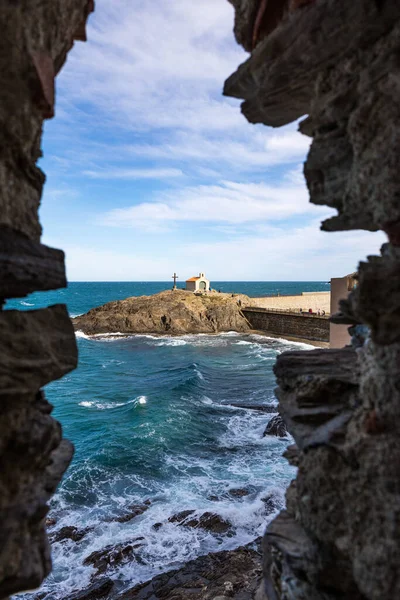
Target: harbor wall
(309,327)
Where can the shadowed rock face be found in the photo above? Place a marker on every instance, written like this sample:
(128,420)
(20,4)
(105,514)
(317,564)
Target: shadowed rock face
(39,346)
(337,62)
(233,574)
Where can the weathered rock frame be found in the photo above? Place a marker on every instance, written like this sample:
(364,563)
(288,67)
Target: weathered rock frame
(37,346)
(338,62)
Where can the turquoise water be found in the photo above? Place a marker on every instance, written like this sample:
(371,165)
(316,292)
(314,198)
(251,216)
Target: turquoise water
(151,419)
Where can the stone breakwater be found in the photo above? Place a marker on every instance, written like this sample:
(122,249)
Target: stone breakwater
(307,327)
(170,312)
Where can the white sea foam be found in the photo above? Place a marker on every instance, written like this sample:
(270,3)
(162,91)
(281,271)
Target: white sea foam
(229,333)
(283,341)
(80,334)
(110,405)
(206,400)
(199,373)
(172,342)
(26,303)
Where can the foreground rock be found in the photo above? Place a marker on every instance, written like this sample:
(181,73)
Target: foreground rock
(99,589)
(172,312)
(231,574)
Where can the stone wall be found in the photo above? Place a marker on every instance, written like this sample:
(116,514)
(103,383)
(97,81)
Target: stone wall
(339,334)
(338,63)
(314,300)
(288,324)
(39,346)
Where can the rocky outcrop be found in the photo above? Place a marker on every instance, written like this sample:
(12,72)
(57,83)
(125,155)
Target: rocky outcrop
(337,62)
(171,312)
(39,346)
(276,426)
(231,574)
(208,521)
(114,556)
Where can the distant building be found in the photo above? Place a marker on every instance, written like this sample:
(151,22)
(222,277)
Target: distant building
(340,288)
(198,284)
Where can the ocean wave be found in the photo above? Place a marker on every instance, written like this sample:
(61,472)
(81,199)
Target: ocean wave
(188,454)
(140,400)
(80,334)
(199,373)
(172,342)
(283,341)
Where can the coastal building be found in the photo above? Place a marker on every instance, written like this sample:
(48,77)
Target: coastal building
(340,288)
(198,284)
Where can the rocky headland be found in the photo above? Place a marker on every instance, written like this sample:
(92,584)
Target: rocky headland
(172,312)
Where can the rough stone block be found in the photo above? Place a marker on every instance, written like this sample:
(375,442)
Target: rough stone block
(27,266)
(36,348)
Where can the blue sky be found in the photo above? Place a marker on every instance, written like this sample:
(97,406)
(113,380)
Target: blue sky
(150,170)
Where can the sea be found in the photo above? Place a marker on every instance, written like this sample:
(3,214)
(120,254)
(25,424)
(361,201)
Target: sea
(153,420)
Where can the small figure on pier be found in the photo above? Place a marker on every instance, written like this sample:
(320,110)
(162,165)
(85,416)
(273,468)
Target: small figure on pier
(174,277)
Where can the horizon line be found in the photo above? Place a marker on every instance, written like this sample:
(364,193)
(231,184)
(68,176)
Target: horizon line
(216,280)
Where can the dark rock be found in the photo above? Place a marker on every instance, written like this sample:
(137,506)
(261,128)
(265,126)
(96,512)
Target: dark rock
(113,556)
(181,516)
(276,426)
(36,347)
(233,574)
(259,407)
(99,589)
(320,393)
(51,521)
(209,521)
(134,511)
(70,533)
(50,353)
(270,503)
(334,62)
(292,455)
(157,526)
(27,266)
(239,492)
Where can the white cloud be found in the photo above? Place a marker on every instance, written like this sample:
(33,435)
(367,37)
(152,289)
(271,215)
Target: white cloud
(251,151)
(159,67)
(158,64)
(134,173)
(303,254)
(226,202)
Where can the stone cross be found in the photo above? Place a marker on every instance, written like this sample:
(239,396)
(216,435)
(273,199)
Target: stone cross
(175,277)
